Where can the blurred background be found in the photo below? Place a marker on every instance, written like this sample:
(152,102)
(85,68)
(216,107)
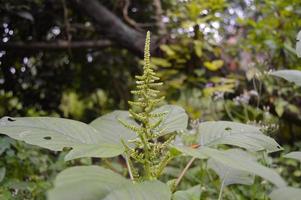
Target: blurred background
(77,59)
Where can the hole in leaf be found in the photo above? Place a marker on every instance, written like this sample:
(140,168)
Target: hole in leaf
(47,138)
(278,147)
(67,149)
(228,129)
(11,119)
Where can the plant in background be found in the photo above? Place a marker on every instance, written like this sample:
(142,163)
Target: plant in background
(289,192)
(148,137)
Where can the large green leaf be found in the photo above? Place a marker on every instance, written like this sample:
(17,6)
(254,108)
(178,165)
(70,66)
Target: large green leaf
(85,183)
(235,161)
(110,126)
(286,193)
(230,175)
(150,190)
(232,133)
(289,75)
(97,183)
(175,120)
(57,133)
(294,155)
(193,193)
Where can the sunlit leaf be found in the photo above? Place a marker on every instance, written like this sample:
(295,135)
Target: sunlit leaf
(214,65)
(169,51)
(160,62)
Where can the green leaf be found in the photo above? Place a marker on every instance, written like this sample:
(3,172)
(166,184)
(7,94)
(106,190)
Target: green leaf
(230,175)
(101,150)
(193,193)
(169,51)
(110,126)
(236,162)
(85,182)
(160,62)
(97,183)
(286,193)
(4,144)
(150,190)
(2,173)
(175,120)
(214,65)
(198,48)
(236,134)
(294,155)
(57,133)
(280,105)
(289,75)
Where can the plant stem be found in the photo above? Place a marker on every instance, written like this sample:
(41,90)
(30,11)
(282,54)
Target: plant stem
(144,140)
(129,167)
(221,190)
(228,112)
(183,172)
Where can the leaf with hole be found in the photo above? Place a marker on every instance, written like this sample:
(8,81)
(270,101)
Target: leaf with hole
(249,137)
(57,133)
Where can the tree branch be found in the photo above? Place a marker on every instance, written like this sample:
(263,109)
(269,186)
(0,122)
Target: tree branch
(109,25)
(56,45)
(126,16)
(159,13)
